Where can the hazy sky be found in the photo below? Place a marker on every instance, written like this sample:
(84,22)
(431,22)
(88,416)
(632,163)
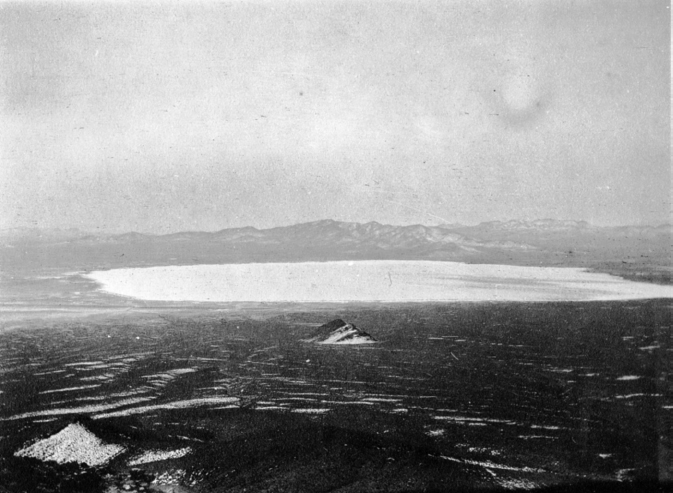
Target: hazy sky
(163,117)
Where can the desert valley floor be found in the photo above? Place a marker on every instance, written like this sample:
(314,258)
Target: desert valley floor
(453,396)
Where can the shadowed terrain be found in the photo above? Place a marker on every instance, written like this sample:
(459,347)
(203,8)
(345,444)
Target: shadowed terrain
(460,397)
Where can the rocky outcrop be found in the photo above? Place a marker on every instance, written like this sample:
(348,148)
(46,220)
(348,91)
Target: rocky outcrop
(340,332)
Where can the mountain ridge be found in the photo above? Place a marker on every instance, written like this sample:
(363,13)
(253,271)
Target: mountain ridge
(635,252)
(545,224)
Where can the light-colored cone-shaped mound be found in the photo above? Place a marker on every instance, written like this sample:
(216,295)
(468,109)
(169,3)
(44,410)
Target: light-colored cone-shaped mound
(74,443)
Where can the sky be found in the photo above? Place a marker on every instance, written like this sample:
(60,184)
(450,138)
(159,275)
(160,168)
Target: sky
(163,117)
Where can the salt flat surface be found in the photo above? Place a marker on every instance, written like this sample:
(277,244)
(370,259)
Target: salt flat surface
(388,280)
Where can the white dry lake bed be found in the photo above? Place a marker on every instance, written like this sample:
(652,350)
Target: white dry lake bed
(370,281)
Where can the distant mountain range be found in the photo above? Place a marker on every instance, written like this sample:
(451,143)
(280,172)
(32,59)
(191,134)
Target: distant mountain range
(369,228)
(328,231)
(642,252)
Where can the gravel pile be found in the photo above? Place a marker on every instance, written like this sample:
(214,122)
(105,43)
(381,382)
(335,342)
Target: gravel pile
(74,443)
(157,455)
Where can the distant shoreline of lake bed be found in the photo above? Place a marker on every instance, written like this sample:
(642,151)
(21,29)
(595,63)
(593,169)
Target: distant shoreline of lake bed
(370,281)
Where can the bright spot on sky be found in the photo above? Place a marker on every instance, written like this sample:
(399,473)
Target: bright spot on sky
(520,92)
